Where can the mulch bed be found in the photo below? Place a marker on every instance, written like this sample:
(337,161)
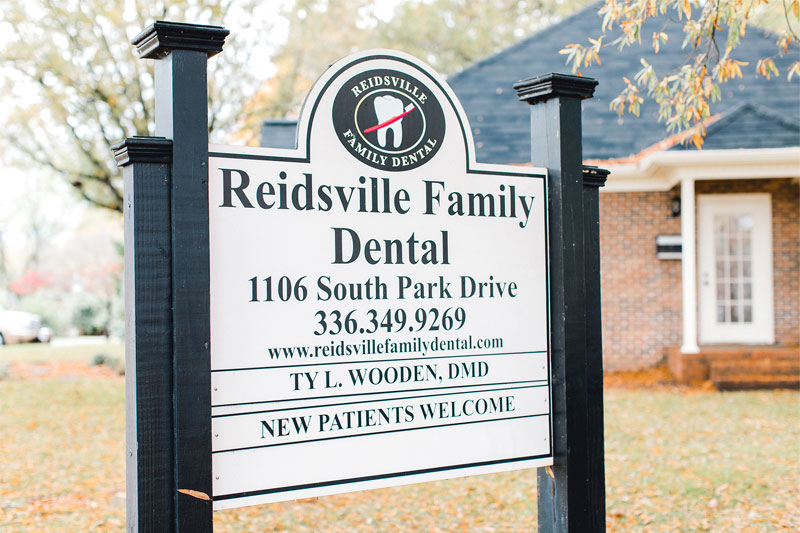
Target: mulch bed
(658,378)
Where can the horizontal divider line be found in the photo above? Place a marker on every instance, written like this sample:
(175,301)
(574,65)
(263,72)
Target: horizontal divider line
(376,401)
(379,433)
(543,381)
(305,159)
(292,488)
(373,361)
(281,158)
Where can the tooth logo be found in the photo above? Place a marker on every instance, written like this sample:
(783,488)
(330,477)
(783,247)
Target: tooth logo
(388,119)
(388,110)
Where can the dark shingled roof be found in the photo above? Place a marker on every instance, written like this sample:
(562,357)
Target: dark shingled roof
(279,133)
(750,125)
(758,113)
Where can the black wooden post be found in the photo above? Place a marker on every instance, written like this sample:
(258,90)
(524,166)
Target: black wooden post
(593,179)
(572,494)
(148,340)
(177,301)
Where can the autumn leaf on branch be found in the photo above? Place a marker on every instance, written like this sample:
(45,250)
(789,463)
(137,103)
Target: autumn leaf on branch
(712,31)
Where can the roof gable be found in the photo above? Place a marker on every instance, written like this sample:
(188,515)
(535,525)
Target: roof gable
(750,125)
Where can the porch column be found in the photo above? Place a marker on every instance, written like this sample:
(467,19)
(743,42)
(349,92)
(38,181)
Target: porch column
(689,267)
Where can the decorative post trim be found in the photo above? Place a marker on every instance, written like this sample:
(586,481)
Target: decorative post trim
(594,176)
(547,86)
(162,37)
(142,150)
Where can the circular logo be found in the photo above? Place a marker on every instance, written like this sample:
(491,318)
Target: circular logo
(388,119)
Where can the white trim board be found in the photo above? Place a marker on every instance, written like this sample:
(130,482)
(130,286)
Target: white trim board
(661,171)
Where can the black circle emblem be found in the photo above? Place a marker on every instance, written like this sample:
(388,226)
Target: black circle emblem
(388,119)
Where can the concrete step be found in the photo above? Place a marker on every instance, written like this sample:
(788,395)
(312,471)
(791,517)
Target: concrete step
(692,368)
(745,374)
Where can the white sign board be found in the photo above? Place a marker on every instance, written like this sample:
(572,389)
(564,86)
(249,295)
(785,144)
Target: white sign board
(379,300)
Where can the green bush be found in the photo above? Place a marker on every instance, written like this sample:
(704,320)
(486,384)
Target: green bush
(91,314)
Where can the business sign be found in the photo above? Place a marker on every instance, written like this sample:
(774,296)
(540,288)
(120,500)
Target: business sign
(379,300)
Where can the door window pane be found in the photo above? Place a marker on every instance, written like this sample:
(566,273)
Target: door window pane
(732,257)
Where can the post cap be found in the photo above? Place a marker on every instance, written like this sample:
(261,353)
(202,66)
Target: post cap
(142,150)
(542,88)
(594,176)
(161,37)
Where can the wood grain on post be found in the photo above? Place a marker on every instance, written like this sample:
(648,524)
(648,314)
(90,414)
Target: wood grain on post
(571,495)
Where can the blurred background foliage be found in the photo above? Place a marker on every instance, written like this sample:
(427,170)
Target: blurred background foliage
(72,86)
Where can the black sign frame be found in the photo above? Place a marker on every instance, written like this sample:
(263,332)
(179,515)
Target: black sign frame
(168,408)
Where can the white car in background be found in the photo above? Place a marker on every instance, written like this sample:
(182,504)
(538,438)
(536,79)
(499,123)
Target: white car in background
(19,326)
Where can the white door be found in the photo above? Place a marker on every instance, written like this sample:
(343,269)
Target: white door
(735,268)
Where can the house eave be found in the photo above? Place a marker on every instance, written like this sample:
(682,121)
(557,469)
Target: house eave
(661,171)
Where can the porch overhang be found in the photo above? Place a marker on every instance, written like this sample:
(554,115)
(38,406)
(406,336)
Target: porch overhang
(661,171)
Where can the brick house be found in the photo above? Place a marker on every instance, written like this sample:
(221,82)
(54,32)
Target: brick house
(733,290)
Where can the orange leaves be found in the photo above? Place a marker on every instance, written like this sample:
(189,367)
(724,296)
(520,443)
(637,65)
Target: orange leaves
(784,40)
(63,466)
(629,97)
(684,95)
(766,68)
(579,55)
(659,38)
(686,7)
(794,69)
(729,68)
(592,53)
(697,455)
(697,139)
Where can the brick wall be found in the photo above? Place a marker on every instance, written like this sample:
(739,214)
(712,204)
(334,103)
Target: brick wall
(642,294)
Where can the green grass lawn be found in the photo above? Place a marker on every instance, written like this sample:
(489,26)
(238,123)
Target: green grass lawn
(675,461)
